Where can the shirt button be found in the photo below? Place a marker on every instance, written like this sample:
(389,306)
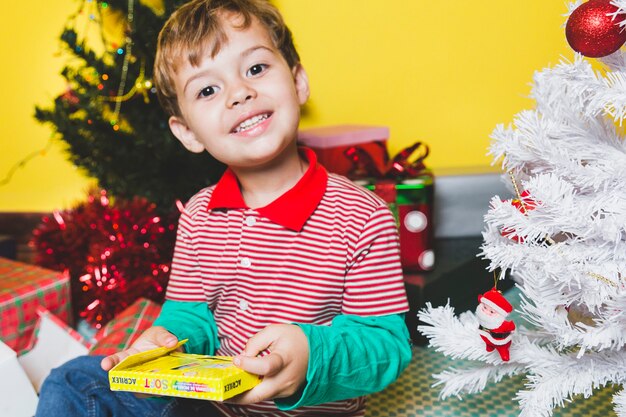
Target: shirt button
(243,305)
(245,262)
(250,221)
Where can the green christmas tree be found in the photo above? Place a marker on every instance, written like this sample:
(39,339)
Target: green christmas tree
(117,250)
(110,117)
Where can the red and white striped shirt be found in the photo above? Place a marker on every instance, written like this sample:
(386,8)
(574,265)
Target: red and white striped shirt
(325,247)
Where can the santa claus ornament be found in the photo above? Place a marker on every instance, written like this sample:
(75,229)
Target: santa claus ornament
(494,329)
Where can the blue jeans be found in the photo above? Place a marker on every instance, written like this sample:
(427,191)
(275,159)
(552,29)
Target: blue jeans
(81,388)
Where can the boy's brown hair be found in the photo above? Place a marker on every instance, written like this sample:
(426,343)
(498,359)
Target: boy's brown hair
(197,25)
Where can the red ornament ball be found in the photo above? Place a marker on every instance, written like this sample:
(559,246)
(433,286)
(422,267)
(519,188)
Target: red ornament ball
(592,30)
(524,204)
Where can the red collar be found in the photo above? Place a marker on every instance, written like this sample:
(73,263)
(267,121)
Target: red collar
(292,209)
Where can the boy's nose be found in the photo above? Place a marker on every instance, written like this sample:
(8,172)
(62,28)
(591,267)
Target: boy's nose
(241,94)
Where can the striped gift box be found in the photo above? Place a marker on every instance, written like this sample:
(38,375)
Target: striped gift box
(23,289)
(122,331)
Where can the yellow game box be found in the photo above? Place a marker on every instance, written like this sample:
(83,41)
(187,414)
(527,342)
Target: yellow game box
(163,371)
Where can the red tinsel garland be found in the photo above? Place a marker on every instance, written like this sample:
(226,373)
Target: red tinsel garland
(115,251)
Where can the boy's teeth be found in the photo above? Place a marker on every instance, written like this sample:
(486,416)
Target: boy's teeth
(251,122)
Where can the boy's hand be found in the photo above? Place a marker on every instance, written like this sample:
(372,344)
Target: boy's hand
(283,370)
(152,338)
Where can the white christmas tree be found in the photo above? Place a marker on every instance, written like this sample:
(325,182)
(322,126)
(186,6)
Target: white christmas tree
(564,243)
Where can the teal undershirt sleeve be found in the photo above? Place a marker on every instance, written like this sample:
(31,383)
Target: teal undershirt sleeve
(354,356)
(193,321)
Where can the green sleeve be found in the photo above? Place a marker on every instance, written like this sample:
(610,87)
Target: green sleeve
(354,356)
(193,321)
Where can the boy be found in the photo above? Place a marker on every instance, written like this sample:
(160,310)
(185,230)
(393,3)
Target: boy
(293,271)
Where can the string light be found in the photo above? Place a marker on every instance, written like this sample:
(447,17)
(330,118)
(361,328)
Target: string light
(20,164)
(129,45)
(141,85)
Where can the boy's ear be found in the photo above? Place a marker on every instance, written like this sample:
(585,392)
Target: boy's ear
(302,83)
(185,135)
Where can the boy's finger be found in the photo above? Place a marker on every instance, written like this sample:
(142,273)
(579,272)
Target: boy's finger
(159,338)
(264,366)
(112,360)
(259,342)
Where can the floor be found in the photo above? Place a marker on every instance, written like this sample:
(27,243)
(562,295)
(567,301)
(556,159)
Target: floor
(412,395)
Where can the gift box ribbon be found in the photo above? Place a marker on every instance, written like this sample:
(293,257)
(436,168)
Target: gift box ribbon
(406,164)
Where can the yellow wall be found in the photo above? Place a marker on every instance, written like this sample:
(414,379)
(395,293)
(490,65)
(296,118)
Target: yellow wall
(442,72)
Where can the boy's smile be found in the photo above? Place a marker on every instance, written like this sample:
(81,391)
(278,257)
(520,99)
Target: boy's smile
(252,125)
(242,105)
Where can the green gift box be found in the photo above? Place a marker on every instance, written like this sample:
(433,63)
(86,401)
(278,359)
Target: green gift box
(411,202)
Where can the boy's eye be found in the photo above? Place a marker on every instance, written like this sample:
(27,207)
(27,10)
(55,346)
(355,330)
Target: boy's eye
(256,69)
(207,91)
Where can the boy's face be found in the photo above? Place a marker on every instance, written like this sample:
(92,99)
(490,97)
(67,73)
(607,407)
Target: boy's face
(243,104)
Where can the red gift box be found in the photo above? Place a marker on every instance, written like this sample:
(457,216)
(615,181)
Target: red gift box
(406,185)
(330,144)
(411,202)
(121,332)
(24,288)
